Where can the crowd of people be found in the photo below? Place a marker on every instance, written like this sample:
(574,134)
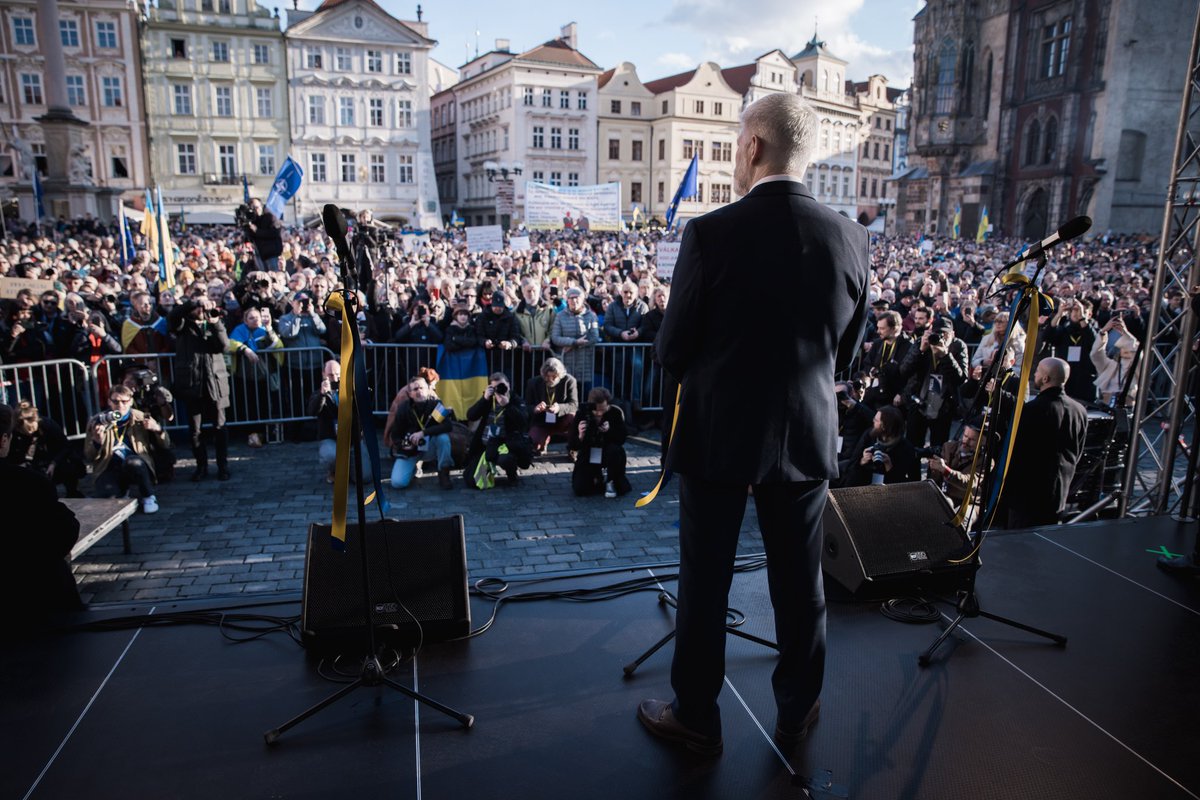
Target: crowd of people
(246,325)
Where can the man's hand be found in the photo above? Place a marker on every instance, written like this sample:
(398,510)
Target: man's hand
(887,463)
(553,409)
(506,345)
(326,386)
(604,426)
(867,346)
(417,438)
(527,347)
(897,400)
(866,457)
(976,372)
(489,392)
(582,340)
(539,408)
(17,329)
(250,355)
(150,424)
(925,340)
(940,349)
(937,465)
(487,344)
(582,429)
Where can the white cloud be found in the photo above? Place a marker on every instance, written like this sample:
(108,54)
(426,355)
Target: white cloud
(676,60)
(868,59)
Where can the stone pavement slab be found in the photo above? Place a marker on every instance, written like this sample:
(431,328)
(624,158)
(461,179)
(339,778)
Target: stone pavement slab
(248,535)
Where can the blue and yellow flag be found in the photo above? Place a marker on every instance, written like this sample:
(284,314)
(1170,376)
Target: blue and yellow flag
(981,234)
(463,377)
(956,226)
(166,250)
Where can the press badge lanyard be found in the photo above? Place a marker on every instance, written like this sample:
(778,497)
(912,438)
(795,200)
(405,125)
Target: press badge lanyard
(886,352)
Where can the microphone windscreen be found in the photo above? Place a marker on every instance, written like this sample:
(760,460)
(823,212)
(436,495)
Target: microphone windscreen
(335,221)
(1074,227)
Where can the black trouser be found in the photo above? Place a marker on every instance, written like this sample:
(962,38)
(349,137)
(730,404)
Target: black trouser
(588,478)
(789,516)
(197,412)
(919,425)
(122,473)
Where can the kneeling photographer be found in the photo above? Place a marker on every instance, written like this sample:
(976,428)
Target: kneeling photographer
(599,440)
(156,401)
(501,440)
(38,443)
(886,456)
(118,449)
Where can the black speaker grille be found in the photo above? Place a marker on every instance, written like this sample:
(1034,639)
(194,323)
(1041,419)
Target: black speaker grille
(899,528)
(417,569)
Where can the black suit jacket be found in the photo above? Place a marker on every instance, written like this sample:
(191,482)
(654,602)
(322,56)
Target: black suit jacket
(758,402)
(1049,443)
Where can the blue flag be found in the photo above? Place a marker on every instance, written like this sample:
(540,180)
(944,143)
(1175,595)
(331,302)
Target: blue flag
(245,190)
(688,188)
(287,183)
(128,248)
(38,198)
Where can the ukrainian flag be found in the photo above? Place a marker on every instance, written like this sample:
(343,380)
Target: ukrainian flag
(956,227)
(981,234)
(463,377)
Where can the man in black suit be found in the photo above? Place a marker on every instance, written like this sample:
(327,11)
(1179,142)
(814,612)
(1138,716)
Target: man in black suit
(1049,443)
(757,409)
(884,358)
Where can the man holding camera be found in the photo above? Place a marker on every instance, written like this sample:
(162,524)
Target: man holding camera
(854,419)
(38,443)
(265,232)
(422,429)
(421,328)
(934,370)
(884,357)
(599,439)
(497,328)
(120,449)
(201,379)
(1071,337)
(885,456)
(501,440)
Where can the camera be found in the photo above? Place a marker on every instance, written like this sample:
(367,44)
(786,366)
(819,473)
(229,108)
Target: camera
(936,339)
(877,456)
(243,215)
(261,283)
(214,313)
(422,310)
(108,417)
(144,378)
(501,388)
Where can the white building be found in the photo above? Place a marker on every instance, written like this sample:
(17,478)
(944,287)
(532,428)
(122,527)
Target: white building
(833,176)
(359,84)
(216,101)
(521,117)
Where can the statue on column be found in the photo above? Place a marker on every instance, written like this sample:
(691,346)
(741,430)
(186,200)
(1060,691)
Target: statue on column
(78,166)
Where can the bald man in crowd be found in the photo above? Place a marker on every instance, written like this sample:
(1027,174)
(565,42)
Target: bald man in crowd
(1049,443)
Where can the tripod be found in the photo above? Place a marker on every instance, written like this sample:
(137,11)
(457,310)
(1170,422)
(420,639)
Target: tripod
(967,605)
(372,672)
(668,599)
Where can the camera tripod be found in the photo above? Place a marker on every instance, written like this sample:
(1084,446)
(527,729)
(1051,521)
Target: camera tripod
(372,672)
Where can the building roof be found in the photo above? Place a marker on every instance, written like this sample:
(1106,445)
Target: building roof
(738,79)
(327,5)
(605,77)
(895,94)
(555,51)
(816,47)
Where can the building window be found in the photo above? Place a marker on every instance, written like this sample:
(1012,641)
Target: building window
(660,191)
(581,101)
(264,101)
(220,51)
(224,101)
(118,166)
(227,158)
(75,93)
(39,157)
(179,48)
(1056,46)
(718,109)
(539,176)
(225,6)
(614,149)
(68,29)
(689,148)
(406,169)
(572,139)
(699,106)
(316,110)
(887,152)
(846,185)
(572,179)
(662,149)
(635,192)
(699,198)
(262,54)
(345,110)
(266,159)
(1050,141)
(378,169)
(341,59)
(874,187)
(664,106)
(23,32)
(863,189)
(716,151)
(556,179)
(1033,136)
(404,63)
(546,98)
(556,138)
(722,193)
(614,106)
(699,149)
(539,136)
(349,168)
(635,151)
(110,89)
(183,99)
(404,113)
(375,112)
(374,61)
(564,99)
(317,164)
(528,95)
(206,5)
(187,158)
(876,151)
(106,35)
(944,93)
(312,58)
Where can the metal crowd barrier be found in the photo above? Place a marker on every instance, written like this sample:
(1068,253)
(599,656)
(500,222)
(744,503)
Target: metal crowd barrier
(60,389)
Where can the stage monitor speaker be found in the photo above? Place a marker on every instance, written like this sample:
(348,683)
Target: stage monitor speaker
(885,541)
(418,578)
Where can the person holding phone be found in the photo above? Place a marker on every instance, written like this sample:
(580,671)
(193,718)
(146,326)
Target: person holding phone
(201,379)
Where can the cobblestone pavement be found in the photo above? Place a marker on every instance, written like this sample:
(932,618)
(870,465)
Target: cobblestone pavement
(248,535)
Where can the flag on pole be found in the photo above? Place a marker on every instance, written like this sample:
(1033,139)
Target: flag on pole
(981,234)
(128,249)
(455,219)
(39,199)
(149,228)
(287,183)
(245,190)
(957,224)
(688,188)
(166,250)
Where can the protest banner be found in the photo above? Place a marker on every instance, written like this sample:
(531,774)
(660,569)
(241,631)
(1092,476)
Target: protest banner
(519,243)
(10,286)
(596,208)
(482,238)
(664,262)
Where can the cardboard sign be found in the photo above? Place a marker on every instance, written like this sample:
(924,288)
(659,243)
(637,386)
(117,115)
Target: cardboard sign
(668,254)
(485,238)
(10,286)
(519,243)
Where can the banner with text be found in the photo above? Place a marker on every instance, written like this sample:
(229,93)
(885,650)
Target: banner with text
(485,237)
(664,262)
(518,243)
(596,208)
(9,287)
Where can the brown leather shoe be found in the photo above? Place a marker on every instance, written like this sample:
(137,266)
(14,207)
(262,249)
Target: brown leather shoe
(790,737)
(659,719)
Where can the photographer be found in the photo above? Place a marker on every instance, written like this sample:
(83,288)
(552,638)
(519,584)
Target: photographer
(599,440)
(40,444)
(366,241)
(155,400)
(952,469)
(264,231)
(1071,337)
(421,429)
(302,327)
(553,397)
(256,291)
(119,447)
(497,328)
(886,456)
(201,380)
(884,357)
(501,441)
(934,371)
(323,405)
(421,328)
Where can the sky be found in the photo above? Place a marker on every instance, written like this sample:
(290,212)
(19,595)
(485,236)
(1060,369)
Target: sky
(663,37)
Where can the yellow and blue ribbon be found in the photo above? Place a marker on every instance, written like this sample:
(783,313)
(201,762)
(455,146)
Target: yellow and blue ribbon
(666,473)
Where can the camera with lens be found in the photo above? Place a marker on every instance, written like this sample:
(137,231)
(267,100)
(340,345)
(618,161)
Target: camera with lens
(877,458)
(422,310)
(937,339)
(144,378)
(261,283)
(214,313)
(108,417)
(243,215)
(501,388)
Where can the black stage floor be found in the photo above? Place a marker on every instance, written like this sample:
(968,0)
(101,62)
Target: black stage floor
(180,712)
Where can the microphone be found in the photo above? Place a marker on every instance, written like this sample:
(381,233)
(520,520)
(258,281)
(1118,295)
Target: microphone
(335,225)
(1070,229)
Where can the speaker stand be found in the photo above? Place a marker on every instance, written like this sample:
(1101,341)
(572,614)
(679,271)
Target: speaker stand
(968,608)
(668,599)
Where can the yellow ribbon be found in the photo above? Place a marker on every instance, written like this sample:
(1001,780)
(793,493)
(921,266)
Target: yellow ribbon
(345,444)
(648,499)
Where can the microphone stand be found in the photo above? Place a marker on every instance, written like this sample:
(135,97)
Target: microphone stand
(372,672)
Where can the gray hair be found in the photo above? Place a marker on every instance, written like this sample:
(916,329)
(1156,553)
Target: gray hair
(787,125)
(553,365)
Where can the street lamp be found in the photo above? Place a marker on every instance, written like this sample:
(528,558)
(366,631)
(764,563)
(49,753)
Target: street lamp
(503,169)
